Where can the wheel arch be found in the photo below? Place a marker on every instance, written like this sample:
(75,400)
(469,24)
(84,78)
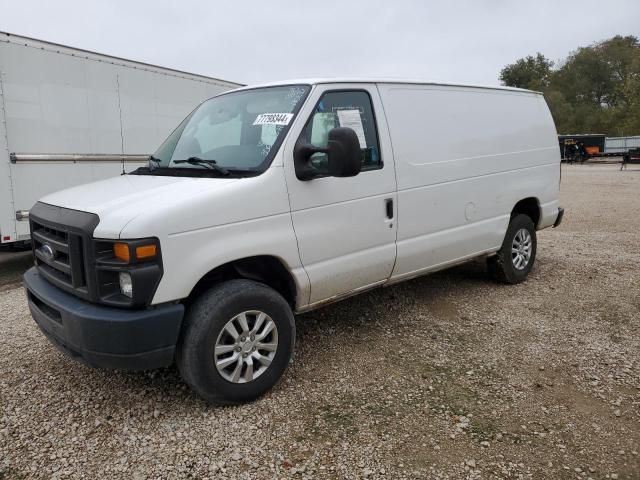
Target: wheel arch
(267,269)
(529,206)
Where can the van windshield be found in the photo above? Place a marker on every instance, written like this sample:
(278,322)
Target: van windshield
(237,132)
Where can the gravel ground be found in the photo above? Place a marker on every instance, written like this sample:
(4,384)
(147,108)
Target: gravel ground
(13,262)
(447,376)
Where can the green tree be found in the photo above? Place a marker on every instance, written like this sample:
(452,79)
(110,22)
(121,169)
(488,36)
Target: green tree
(529,72)
(596,89)
(561,109)
(631,95)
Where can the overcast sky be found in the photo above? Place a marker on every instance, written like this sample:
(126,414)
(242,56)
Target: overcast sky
(256,41)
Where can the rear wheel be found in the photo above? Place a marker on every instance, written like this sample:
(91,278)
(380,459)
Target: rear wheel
(237,342)
(516,256)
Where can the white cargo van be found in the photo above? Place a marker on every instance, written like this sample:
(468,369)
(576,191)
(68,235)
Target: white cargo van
(271,200)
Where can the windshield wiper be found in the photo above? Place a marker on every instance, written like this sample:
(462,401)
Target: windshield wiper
(211,164)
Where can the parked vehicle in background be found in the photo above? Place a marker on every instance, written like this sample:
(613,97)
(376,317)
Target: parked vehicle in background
(632,156)
(579,147)
(69,116)
(271,200)
(583,147)
(621,145)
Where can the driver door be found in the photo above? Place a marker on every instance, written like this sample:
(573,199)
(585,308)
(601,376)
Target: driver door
(345,227)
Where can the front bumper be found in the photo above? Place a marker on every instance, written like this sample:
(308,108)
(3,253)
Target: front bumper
(102,336)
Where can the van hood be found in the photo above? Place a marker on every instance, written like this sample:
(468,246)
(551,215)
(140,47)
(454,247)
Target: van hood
(119,200)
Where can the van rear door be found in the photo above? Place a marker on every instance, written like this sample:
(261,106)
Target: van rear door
(346,227)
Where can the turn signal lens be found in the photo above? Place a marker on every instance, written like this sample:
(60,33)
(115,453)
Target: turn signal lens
(145,251)
(121,251)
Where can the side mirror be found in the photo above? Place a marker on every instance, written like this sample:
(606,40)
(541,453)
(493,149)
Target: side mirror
(343,155)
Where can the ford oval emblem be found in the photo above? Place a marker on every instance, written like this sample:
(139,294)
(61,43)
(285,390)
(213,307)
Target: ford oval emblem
(47,252)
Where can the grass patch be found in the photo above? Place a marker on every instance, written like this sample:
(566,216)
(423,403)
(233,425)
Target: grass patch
(484,429)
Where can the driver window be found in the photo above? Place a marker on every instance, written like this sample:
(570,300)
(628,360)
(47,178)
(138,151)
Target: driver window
(351,109)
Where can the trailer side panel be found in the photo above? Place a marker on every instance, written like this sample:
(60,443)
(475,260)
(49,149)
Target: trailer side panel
(59,100)
(7,218)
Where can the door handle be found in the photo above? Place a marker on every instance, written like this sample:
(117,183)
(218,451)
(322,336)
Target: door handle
(388,203)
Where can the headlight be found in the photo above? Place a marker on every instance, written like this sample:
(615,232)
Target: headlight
(126,286)
(128,272)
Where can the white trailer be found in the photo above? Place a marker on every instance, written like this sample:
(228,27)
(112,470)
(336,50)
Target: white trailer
(620,145)
(70,116)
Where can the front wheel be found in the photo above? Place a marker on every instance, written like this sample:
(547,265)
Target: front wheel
(516,256)
(237,342)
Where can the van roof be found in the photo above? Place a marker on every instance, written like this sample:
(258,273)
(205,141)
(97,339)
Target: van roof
(318,81)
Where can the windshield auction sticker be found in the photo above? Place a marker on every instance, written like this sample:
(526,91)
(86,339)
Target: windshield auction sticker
(273,119)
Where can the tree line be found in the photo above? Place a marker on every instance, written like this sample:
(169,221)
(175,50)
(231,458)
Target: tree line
(596,89)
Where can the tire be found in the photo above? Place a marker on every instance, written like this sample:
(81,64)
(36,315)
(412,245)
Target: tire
(507,267)
(206,326)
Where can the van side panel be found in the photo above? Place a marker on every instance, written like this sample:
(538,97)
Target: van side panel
(464,157)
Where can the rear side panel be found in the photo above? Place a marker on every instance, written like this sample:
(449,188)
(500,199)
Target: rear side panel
(464,157)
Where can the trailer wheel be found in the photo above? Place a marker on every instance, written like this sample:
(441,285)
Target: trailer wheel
(516,256)
(236,343)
